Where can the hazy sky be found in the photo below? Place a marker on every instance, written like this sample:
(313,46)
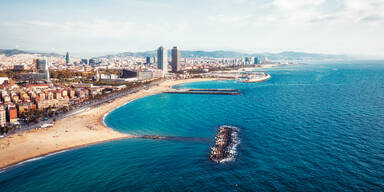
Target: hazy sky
(99,26)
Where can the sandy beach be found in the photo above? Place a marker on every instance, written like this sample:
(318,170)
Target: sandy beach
(79,130)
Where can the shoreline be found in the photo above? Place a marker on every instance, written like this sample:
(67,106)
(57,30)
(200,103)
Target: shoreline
(59,151)
(80,130)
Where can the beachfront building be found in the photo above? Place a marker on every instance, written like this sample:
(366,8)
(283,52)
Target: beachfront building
(162,60)
(52,103)
(175,60)
(3,116)
(12,113)
(27,106)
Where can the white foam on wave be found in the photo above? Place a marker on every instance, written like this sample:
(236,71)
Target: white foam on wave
(31,160)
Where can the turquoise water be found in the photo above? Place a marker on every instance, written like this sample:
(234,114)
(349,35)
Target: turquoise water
(309,128)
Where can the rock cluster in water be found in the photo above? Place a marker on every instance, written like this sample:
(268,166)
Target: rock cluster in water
(225,144)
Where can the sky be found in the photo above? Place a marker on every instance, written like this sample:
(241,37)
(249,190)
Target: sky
(97,27)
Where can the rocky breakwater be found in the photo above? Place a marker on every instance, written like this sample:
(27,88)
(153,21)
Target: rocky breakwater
(226,141)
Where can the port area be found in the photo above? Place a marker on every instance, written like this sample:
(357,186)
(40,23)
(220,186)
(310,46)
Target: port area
(257,78)
(226,141)
(205,91)
(242,76)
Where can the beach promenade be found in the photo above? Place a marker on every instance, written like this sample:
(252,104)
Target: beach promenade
(79,130)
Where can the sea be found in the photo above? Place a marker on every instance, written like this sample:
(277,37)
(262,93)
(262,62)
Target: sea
(311,127)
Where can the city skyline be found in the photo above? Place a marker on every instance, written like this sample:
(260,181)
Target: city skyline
(96,28)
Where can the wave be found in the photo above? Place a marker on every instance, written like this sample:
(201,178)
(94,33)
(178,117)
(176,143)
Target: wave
(5,169)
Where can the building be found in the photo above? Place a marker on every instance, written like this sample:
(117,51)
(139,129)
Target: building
(128,73)
(162,60)
(71,93)
(12,113)
(46,71)
(25,107)
(41,64)
(175,60)
(18,67)
(53,103)
(33,77)
(247,60)
(84,61)
(3,79)
(6,83)
(148,75)
(82,85)
(40,72)
(67,58)
(107,76)
(148,60)
(92,62)
(3,116)
(256,61)
(34,65)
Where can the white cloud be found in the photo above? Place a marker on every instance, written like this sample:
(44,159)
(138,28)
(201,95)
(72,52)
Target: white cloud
(259,25)
(226,19)
(351,11)
(296,5)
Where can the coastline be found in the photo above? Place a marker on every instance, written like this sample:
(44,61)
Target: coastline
(80,130)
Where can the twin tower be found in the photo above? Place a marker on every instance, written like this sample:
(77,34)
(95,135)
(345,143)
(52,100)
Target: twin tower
(162,59)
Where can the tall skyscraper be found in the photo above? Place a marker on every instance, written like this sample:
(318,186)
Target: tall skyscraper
(162,59)
(67,58)
(175,59)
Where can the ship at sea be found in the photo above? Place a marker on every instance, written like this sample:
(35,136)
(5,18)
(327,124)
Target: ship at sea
(226,141)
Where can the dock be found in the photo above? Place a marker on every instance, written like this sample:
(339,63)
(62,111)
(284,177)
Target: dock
(205,91)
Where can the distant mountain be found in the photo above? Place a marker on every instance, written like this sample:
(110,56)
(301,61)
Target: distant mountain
(288,55)
(10,52)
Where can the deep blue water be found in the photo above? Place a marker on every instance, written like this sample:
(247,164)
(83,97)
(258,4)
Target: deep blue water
(309,128)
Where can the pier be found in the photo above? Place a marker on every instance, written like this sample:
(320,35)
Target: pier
(205,91)
(228,90)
